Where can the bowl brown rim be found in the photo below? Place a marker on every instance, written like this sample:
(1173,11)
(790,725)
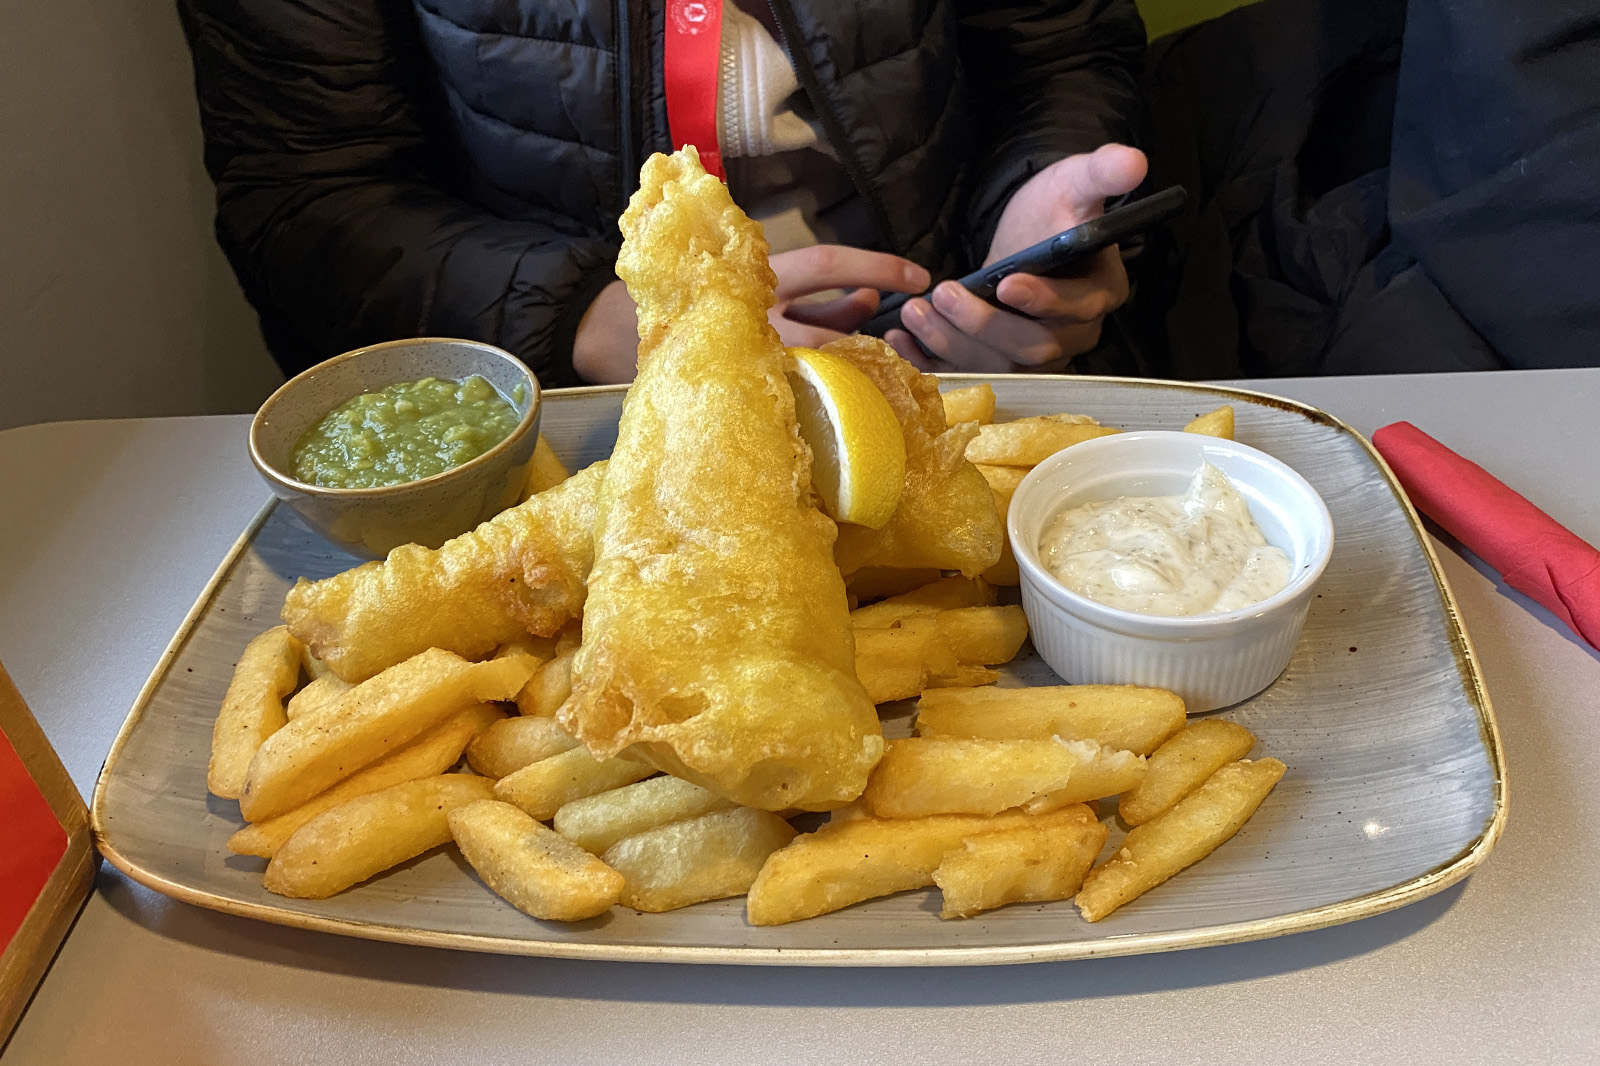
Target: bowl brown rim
(273,474)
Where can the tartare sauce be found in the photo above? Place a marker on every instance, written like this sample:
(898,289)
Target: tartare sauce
(1198,553)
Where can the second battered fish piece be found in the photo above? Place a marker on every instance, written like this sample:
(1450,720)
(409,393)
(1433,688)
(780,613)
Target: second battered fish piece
(716,636)
(947,518)
(520,572)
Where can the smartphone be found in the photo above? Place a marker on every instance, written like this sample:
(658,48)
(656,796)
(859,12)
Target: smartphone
(1053,256)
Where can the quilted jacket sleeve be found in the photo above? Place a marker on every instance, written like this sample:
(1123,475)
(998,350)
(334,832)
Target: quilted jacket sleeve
(333,206)
(1050,78)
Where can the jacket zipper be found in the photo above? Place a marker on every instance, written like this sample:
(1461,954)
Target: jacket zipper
(806,74)
(628,154)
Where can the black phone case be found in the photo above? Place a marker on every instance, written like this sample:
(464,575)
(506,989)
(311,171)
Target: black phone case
(1050,257)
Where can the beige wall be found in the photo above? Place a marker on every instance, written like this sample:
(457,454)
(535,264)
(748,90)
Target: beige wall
(114,299)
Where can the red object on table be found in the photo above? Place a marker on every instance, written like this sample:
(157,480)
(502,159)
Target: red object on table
(1536,555)
(31,841)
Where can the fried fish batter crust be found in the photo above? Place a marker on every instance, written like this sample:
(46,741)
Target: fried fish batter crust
(947,518)
(520,572)
(716,636)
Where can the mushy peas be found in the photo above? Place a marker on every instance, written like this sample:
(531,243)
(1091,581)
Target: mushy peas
(405,432)
(1198,553)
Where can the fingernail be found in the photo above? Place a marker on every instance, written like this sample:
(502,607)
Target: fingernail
(917,279)
(944,297)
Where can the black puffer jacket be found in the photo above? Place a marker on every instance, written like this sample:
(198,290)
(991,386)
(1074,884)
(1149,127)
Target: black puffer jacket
(457,168)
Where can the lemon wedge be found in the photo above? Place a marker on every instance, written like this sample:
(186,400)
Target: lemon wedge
(858,451)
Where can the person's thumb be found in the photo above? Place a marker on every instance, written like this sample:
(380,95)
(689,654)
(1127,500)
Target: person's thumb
(1088,181)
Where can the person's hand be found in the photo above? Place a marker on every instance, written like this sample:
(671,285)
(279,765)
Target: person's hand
(1059,317)
(804,272)
(605,349)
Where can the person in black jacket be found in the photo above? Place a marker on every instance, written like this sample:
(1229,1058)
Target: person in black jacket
(456,168)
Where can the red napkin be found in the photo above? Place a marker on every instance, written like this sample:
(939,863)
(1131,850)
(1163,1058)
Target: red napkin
(1535,554)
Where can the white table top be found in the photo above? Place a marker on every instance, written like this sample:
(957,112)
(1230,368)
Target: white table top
(109,530)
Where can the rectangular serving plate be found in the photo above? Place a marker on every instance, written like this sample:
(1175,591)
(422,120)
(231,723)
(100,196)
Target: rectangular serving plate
(1395,789)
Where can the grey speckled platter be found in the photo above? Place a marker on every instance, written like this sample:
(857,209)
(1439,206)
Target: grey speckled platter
(1395,789)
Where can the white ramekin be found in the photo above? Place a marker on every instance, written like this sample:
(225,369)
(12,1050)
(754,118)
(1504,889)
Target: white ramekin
(1211,660)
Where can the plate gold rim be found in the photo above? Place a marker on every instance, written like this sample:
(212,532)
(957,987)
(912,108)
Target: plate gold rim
(1374,903)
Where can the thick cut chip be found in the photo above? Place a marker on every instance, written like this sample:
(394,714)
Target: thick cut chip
(899,662)
(320,693)
(713,856)
(1200,823)
(716,632)
(946,518)
(1218,423)
(545,470)
(543,696)
(364,836)
(975,403)
(872,583)
(922,776)
(984,636)
(252,710)
(544,787)
(1182,765)
(1030,441)
(371,720)
(1127,717)
(535,869)
(1028,864)
(432,753)
(860,858)
(599,821)
(522,571)
(509,745)
(944,594)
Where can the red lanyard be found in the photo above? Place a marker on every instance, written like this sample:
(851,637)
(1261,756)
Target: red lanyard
(693,59)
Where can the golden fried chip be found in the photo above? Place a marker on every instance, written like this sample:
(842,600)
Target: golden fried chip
(1218,423)
(872,583)
(922,776)
(364,836)
(984,636)
(710,857)
(543,696)
(509,745)
(433,752)
(1027,864)
(975,403)
(1028,442)
(1182,764)
(373,719)
(252,710)
(596,822)
(544,787)
(899,662)
(545,470)
(522,571)
(321,692)
(1200,823)
(944,594)
(536,870)
(1127,717)
(858,858)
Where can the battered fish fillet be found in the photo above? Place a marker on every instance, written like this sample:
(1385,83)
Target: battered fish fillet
(947,518)
(520,572)
(716,639)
